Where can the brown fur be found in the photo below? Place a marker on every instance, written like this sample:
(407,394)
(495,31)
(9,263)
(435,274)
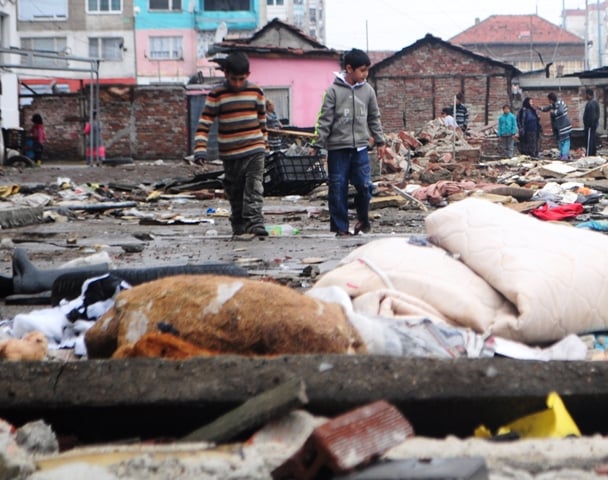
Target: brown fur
(225,315)
(161,345)
(33,346)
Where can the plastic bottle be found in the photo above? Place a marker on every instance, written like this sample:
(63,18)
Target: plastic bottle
(283,230)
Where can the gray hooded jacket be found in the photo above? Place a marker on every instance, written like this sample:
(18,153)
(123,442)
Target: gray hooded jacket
(349,116)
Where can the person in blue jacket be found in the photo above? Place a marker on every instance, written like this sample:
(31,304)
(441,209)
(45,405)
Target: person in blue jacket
(507,130)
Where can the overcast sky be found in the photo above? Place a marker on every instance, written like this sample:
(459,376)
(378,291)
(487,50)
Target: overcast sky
(395,24)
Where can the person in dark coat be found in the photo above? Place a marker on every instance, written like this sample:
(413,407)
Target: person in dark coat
(591,119)
(560,124)
(529,129)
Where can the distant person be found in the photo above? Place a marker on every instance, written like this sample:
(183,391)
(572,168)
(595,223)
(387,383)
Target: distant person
(507,130)
(447,118)
(95,151)
(591,120)
(462,112)
(349,117)
(38,138)
(240,109)
(273,122)
(560,124)
(529,129)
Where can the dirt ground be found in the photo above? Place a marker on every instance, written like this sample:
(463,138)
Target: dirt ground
(180,233)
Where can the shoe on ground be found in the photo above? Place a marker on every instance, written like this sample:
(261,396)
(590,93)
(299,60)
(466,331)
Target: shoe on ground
(259,231)
(363,227)
(343,234)
(242,237)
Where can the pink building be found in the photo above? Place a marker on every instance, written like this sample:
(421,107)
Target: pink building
(293,69)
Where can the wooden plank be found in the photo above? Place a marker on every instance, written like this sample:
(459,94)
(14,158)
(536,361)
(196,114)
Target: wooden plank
(410,198)
(291,133)
(253,414)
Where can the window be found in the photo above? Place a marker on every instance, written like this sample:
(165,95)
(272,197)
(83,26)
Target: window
(275,2)
(227,5)
(109,48)
(280,97)
(50,45)
(166,5)
(104,6)
(312,14)
(43,10)
(165,48)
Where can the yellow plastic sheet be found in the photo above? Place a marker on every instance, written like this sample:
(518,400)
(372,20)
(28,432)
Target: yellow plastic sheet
(554,422)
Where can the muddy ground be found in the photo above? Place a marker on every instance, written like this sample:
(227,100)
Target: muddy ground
(179,233)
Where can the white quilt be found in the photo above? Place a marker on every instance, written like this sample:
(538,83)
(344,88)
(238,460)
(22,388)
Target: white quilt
(492,269)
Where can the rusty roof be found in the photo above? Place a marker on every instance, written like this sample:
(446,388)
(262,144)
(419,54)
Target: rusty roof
(515,29)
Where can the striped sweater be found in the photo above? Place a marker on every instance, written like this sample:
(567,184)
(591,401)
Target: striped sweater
(242,121)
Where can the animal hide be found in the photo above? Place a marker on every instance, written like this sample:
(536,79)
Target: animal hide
(227,315)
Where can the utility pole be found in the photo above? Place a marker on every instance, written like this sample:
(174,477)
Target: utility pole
(586,34)
(600,40)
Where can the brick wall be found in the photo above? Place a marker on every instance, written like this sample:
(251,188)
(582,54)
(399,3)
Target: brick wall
(142,122)
(414,87)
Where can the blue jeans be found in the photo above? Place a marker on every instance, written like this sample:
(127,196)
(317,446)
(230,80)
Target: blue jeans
(564,148)
(346,165)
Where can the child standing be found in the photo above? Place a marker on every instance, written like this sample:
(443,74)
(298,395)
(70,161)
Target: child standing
(97,154)
(240,109)
(273,122)
(507,128)
(349,117)
(38,136)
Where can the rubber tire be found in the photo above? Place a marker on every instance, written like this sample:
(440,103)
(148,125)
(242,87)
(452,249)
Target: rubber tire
(20,161)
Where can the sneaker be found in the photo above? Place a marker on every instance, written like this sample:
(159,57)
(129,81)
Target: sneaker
(363,226)
(343,234)
(259,231)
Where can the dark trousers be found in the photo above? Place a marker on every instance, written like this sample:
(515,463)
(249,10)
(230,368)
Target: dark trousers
(590,141)
(243,185)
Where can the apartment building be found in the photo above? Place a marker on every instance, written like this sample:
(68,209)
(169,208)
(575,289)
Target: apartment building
(77,30)
(591,24)
(9,104)
(307,15)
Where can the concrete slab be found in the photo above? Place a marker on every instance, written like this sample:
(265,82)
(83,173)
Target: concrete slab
(143,397)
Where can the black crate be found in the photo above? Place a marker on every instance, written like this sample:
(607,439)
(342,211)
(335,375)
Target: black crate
(292,175)
(13,138)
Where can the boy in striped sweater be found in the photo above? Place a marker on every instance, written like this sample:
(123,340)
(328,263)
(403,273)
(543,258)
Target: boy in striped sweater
(240,109)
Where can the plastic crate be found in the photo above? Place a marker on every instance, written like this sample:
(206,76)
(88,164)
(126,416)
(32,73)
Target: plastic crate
(292,175)
(13,138)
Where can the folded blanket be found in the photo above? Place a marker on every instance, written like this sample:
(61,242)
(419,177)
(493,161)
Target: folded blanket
(556,276)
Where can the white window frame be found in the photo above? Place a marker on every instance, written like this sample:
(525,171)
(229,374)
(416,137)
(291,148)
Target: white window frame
(173,51)
(99,11)
(171,7)
(42,10)
(54,45)
(281,96)
(103,43)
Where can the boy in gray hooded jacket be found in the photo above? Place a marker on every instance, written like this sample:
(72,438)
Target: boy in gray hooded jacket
(348,123)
